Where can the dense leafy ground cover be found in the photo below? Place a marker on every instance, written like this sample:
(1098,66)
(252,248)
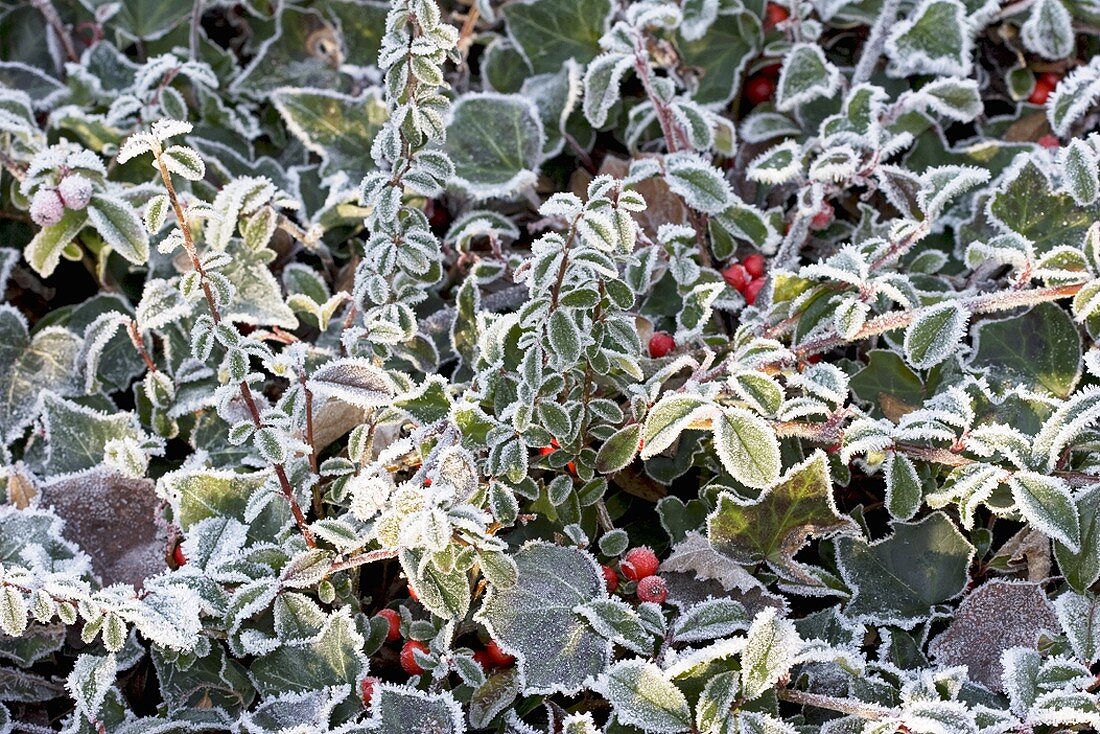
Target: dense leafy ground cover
(556,366)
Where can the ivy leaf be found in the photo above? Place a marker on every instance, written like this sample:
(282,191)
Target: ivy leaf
(642,696)
(722,53)
(549,32)
(899,579)
(29,366)
(1046,503)
(553,580)
(1040,349)
(395,707)
(994,617)
(495,142)
(1048,30)
(776,526)
(335,126)
(334,657)
(75,436)
(805,76)
(935,39)
(934,334)
(1026,203)
(747,447)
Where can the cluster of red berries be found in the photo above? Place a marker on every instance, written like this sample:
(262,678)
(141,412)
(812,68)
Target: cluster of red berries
(639,565)
(746,277)
(1044,85)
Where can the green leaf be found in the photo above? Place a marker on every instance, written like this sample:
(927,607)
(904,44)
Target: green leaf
(549,32)
(747,447)
(120,226)
(395,709)
(553,580)
(445,594)
(30,366)
(904,492)
(1046,503)
(496,142)
(76,436)
(355,381)
(145,19)
(805,76)
(1040,349)
(44,251)
(1081,568)
(618,451)
(935,39)
(672,415)
(642,696)
(1027,203)
(890,387)
(935,334)
(335,126)
(334,657)
(900,578)
(258,299)
(776,526)
(198,495)
(769,653)
(722,54)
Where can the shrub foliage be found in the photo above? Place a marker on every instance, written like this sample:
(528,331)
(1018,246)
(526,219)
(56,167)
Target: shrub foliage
(557,366)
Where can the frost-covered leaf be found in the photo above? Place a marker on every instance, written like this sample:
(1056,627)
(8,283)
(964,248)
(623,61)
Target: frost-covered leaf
(337,127)
(333,657)
(1080,164)
(1026,203)
(701,185)
(1040,348)
(90,680)
(120,226)
(747,447)
(900,578)
(770,651)
(549,32)
(1048,30)
(670,417)
(1046,503)
(397,708)
(935,334)
(496,142)
(354,381)
(992,618)
(601,85)
(75,437)
(552,581)
(936,38)
(30,365)
(777,525)
(1081,568)
(642,696)
(805,76)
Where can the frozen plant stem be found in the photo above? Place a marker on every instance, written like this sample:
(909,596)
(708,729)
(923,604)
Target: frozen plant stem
(215,313)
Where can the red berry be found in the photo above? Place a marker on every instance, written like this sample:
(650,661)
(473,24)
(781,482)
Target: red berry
(1040,93)
(754,264)
(412,592)
(660,344)
(824,216)
(639,562)
(394,620)
(759,89)
(610,579)
(774,15)
(546,450)
(753,291)
(1051,78)
(483,659)
(1049,142)
(366,689)
(408,660)
(771,70)
(652,588)
(736,277)
(427,481)
(178,557)
(499,658)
